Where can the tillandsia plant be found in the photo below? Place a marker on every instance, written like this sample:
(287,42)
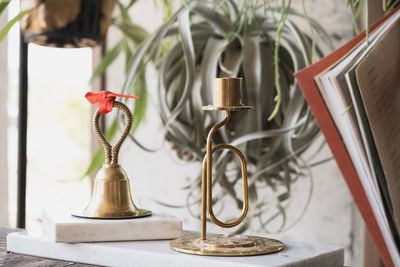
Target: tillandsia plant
(356,7)
(261,42)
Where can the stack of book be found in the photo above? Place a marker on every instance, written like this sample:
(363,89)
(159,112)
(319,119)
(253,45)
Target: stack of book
(354,94)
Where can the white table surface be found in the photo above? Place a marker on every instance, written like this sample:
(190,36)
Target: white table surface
(158,253)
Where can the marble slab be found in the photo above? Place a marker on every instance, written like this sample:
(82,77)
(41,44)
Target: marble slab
(69,229)
(158,253)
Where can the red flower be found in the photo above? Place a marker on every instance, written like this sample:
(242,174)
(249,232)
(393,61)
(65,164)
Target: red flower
(105,99)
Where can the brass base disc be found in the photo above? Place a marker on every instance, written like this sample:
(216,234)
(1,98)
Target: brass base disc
(220,245)
(139,214)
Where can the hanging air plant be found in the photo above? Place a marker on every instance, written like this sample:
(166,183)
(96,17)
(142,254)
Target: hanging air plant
(263,45)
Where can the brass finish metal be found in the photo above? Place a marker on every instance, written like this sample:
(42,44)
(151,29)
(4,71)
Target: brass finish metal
(219,245)
(207,183)
(228,95)
(112,198)
(228,98)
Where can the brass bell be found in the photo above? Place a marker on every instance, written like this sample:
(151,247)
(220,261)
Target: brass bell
(112,198)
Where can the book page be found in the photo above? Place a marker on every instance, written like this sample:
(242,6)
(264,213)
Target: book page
(391,234)
(360,188)
(378,78)
(333,87)
(335,92)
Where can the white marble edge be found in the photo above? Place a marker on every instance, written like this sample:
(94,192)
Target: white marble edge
(70,229)
(158,253)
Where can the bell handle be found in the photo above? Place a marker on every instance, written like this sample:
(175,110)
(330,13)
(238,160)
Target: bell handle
(111,151)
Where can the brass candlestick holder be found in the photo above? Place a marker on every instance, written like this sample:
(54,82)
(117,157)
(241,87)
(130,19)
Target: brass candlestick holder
(112,198)
(228,97)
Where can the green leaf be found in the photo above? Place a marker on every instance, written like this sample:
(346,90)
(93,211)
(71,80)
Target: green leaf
(98,158)
(11,23)
(131,2)
(132,31)
(3,5)
(96,162)
(123,12)
(112,130)
(128,51)
(278,37)
(168,11)
(347,109)
(106,61)
(141,104)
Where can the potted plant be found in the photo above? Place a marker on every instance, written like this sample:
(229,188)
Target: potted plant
(68,23)
(64,23)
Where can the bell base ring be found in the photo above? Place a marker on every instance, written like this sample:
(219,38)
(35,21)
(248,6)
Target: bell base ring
(220,245)
(138,214)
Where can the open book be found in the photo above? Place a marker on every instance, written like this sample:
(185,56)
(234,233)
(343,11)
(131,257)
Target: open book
(354,94)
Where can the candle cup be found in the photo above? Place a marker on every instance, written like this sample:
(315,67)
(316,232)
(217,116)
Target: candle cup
(228,95)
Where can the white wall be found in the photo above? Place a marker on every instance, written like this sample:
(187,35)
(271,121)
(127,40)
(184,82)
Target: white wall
(3,129)
(160,177)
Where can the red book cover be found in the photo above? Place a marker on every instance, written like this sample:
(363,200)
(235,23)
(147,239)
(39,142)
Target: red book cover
(322,116)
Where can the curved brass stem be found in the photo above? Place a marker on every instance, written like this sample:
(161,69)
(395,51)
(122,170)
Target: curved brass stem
(111,151)
(206,201)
